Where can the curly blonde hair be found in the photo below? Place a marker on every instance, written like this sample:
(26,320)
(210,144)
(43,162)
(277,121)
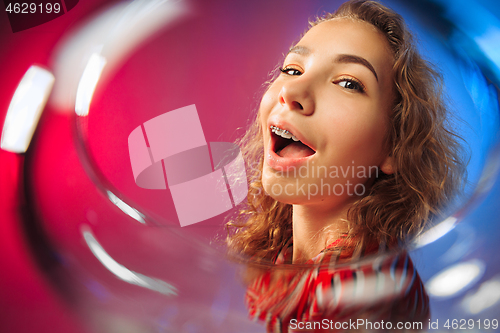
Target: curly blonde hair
(426,154)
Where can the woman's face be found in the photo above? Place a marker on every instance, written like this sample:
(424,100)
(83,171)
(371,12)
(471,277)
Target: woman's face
(334,95)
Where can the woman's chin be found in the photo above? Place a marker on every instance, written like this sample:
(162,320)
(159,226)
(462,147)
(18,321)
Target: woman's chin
(305,194)
(290,200)
(289,195)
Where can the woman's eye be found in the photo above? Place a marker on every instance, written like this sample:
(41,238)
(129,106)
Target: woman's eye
(351,85)
(290,71)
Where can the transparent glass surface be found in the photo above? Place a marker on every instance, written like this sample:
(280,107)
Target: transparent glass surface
(119,255)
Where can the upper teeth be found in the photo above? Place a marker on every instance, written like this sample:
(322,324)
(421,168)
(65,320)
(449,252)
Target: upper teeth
(283,133)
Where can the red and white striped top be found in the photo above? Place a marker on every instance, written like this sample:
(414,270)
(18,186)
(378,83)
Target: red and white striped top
(382,287)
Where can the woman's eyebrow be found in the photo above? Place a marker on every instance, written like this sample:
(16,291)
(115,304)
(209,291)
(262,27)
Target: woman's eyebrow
(349,58)
(302,50)
(341,58)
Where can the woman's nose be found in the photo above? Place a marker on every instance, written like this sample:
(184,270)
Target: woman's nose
(296,95)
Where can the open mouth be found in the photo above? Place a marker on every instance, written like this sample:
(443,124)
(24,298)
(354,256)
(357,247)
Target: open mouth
(285,144)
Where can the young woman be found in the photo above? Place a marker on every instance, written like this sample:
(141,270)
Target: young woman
(353,157)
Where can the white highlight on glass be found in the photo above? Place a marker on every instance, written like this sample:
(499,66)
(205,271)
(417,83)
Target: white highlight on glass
(489,38)
(456,278)
(113,34)
(436,232)
(25,109)
(132,212)
(124,273)
(88,82)
(487,295)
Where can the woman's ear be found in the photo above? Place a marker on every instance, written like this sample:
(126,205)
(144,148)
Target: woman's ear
(387,165)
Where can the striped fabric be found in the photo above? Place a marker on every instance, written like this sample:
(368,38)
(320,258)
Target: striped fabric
(386,287)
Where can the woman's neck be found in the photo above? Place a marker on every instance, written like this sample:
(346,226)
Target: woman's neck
(315,228)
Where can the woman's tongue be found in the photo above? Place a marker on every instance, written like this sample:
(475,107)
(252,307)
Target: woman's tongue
(295,150)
